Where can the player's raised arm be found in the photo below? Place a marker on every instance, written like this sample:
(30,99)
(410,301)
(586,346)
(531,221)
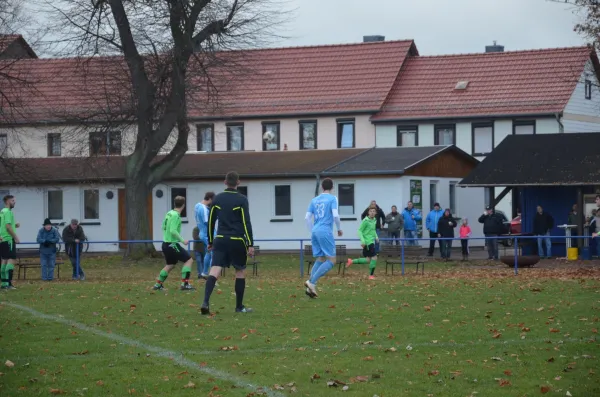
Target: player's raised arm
(212,220)
(247,222)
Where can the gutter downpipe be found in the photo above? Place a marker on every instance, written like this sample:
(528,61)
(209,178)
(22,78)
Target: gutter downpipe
(561,127)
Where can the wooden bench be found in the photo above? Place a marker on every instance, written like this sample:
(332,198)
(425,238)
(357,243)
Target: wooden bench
(28,258)
(340,255)
(392,255)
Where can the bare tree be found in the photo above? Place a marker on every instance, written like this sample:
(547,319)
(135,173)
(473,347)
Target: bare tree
(160,54)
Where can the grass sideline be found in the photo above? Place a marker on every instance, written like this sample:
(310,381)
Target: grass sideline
(453,332)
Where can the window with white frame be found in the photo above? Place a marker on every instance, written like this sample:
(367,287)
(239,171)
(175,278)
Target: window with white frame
(483,138)
(54,145)
(283,200)
(205,138)
(433,197)
(588,89)
(179,191)
(406,136)
(54,204)
(345,133)
(346,198)
(445,135)
(105,143)
(235,137)
(91,204)
(452,196)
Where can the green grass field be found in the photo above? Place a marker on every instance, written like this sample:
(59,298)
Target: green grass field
(452,332)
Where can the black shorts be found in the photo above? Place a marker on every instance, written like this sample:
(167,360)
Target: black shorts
(174,253)
(229,251)
(8,250)
(369,251)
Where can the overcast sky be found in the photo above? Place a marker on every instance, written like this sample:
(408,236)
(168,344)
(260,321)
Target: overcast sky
(437,26)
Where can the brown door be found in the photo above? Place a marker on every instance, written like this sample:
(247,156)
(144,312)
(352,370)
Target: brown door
(123,217)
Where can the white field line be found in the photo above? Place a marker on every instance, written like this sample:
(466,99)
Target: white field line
(176,357)
(401,347)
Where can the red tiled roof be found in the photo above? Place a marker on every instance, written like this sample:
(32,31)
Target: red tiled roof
(300,80)
(507,83)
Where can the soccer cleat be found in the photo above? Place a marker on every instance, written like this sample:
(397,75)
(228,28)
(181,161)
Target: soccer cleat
(243,309)
(310,294)
(187,287)
(204,276)
(10,286)
(371,277)
(158,287)
(205,309)
(311,287)
(349,263)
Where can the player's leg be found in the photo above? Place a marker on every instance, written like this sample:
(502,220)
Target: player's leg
(327,247)
(171,261)
(186,271)
(239,258)
(10,266)
(3,274)
(372,258)
(360,261)
(319,256)
(199,256)
(207,261)
(220,259)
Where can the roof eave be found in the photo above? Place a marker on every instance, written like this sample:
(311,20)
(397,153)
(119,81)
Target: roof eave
(463,117)
(363,173)
(284,115)
(528,184)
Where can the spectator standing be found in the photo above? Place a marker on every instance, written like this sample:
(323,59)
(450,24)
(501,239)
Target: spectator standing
(411,215)
(395,223)
(199,251)
(542,223)
(73,236)
(465,234)
(431,223)
(47,238)
(493,225)
(575,218)
(596,235)
(445,227)
(379,219)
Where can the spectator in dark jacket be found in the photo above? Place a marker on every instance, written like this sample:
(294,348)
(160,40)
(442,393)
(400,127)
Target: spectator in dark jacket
(575,218)
(47,238)
(542,223)
(445,229)
(73,236)
(395,223)
(379,220)
(493,225)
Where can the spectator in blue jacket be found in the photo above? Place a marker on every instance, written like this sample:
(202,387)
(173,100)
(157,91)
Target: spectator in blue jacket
(411,215)
(431,223)
(48,237)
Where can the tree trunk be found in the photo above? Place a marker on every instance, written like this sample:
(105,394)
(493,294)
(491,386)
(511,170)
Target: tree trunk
(136,207)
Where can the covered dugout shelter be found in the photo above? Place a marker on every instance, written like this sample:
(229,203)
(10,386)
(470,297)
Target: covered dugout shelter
(551,170)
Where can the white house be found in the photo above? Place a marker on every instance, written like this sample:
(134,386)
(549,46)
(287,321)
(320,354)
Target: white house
(279,187)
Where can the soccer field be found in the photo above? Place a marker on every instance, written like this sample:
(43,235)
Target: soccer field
(453,332)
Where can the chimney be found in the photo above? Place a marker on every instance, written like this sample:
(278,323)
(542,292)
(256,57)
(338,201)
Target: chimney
(494,48)
(373,38)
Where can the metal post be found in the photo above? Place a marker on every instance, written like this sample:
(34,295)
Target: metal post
(516,247)
(402,257)
(301,258)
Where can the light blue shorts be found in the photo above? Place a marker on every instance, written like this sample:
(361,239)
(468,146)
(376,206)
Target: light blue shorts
(323,244)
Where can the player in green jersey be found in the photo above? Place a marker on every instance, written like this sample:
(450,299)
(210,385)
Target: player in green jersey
(172,250)
(8,250)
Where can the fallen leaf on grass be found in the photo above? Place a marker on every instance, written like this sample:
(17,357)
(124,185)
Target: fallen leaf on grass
(551,360)
(427,308)
(228,348)
(315,376)
(81,353)
(361,378)
(57,391)
(525,329)
(278,387)
(99,383)
(545,389)
(332,307)
(335,383)
(497,359)
(294,330)
(496,335)
(508,372)
(345,388)
(504,382)
(554,330)
(368,358)
(9,364)
(433,373)
(369,342)
(391,349)
(190,385)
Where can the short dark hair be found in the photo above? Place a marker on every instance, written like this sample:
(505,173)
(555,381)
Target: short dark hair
(179,201)
(232,178)
(327,184)
(8,197)
(597,196)
(209,195)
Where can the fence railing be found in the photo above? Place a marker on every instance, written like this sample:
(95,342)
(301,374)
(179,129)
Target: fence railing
(402,242)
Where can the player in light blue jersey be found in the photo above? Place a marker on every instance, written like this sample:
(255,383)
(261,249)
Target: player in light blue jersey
(201,212)
(321,215)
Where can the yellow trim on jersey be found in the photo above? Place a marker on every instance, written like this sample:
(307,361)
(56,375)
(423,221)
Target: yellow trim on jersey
(245,227)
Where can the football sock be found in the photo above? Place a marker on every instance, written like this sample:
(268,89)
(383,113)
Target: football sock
(372,265)
(240,287)
(315,267)
(9,272)
(210,286)
(162,276)
(186,272)
(321,271)
(359,261)
(4,275)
